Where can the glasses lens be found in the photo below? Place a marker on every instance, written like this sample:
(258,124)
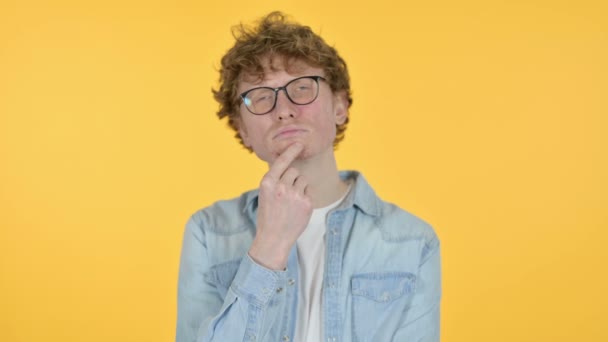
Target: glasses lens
(300,91)
(303,90)
(260,101)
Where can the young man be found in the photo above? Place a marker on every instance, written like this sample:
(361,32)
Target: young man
(313,254)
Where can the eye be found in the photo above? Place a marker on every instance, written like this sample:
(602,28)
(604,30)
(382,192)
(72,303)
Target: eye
(259,95)
(261,98)
(303,87)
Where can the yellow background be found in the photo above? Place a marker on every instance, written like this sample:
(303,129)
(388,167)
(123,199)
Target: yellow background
(486,118)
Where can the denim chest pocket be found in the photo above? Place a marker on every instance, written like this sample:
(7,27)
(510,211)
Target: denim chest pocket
(379,299)
(222,275)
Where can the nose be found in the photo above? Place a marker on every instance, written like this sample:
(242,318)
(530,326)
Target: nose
(284,109)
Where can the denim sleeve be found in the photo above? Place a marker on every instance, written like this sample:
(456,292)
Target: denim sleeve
(204,314)
(423,316)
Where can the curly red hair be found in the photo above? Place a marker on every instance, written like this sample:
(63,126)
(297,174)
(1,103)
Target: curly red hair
(276,36)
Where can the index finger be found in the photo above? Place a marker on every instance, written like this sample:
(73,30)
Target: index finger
(284,160)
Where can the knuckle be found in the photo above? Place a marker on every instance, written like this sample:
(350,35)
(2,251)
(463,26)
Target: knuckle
(266,182)
(303,199)
(307,205)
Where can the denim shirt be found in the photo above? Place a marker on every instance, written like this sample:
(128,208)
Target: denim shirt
(382,278)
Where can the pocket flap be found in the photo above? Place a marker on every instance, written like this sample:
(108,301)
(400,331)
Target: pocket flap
(383,287)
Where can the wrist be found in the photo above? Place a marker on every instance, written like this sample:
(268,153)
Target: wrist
(271,256)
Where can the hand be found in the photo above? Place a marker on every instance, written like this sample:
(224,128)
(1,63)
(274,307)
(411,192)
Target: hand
(284,209)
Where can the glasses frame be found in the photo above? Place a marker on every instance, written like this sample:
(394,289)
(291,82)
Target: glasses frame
(276,94)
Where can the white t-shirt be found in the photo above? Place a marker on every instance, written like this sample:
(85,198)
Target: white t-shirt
(311,259)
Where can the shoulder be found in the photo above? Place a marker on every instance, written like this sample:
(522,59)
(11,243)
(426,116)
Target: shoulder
(226,216)
(395,224)
(398,224)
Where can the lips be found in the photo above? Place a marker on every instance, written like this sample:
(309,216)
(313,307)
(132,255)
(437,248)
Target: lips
(287,132)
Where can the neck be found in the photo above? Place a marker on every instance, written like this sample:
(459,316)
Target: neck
(324,183)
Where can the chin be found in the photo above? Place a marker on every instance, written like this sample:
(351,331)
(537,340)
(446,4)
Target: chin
(281,146)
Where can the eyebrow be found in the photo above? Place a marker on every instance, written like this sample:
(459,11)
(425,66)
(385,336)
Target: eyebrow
(260,84)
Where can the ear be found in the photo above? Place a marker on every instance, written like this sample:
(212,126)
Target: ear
(340,107)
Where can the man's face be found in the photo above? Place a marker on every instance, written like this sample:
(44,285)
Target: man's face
(313,124)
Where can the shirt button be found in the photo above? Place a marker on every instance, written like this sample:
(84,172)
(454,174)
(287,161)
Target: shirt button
(251,337)
(279,290)
(291,282)
(285,338)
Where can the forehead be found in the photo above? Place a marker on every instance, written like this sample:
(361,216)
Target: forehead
(277,65)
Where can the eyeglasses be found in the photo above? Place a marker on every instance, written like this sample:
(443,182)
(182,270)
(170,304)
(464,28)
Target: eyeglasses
(301,91)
